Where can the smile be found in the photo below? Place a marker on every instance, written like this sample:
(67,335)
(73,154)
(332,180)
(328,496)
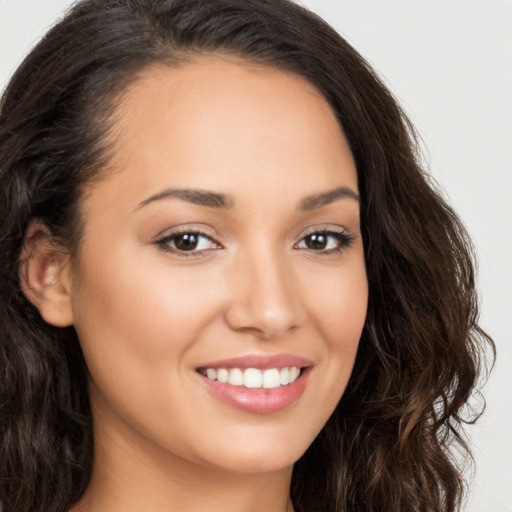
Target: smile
(253,378)
(255,383)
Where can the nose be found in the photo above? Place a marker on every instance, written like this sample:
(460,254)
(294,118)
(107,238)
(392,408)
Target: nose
(264,299)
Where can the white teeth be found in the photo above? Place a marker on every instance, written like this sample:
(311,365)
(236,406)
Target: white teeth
(222,375)
(284,376)
(236,377)
(254,378)
(271,379)
(294,373)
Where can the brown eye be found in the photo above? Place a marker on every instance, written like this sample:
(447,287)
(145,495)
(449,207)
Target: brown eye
(192,242)
(325,241)
(186,241)
(316,241)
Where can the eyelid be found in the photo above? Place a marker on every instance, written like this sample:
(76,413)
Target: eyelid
(165,237)
(191,227)
(344,237)
(324,228)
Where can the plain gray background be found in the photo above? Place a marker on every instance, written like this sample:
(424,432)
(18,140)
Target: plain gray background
(450,64)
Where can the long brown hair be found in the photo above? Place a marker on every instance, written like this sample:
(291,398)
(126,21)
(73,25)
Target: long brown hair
(386,446)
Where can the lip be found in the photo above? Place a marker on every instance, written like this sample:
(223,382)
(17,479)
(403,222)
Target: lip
(258,401)
(261,362)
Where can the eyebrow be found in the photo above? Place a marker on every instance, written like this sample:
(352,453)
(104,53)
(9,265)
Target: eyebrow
(222,201)
(195,196)
(324,198)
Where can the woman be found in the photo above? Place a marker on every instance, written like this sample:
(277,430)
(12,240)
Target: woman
(226,281)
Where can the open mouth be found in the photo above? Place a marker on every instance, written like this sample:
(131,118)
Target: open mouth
(259,384)
(253,378)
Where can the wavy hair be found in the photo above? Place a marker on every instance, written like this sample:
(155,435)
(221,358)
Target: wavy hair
(388,445)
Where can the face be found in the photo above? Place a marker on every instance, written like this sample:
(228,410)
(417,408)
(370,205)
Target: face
(220,290)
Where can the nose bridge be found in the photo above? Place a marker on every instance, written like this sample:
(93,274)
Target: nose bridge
(263,293)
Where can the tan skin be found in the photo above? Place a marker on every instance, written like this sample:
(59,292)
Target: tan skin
(148,313)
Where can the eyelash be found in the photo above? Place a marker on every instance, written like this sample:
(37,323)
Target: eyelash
(166,241)
(343,241)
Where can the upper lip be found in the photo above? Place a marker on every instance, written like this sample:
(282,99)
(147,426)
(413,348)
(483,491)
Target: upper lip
(261,362)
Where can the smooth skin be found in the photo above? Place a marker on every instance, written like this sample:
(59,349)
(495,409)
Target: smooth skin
(276,267)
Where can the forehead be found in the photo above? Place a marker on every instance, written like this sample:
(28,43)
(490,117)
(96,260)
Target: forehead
(227,124)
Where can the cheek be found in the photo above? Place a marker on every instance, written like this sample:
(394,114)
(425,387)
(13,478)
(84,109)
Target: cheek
(138,323)
(348,313)
(340,315)
(132,315)
(339,306)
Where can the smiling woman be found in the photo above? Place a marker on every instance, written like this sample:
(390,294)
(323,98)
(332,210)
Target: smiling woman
(173,283)
(226,282)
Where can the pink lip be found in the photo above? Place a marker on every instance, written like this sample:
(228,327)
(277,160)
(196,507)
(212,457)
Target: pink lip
(259,401)
(261,362)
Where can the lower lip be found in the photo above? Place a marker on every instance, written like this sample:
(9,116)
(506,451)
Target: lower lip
(258,401)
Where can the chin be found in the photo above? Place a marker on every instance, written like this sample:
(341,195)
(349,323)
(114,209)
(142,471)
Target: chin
(268,455)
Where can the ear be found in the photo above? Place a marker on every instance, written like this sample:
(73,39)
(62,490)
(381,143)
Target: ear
(45,275)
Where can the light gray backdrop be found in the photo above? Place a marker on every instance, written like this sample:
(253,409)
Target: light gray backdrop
(450,64)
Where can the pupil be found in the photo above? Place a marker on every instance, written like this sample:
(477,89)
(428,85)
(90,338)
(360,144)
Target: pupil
(186,242)
(316,241)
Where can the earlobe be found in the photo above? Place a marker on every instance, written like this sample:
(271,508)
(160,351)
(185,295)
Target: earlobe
(45,275)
